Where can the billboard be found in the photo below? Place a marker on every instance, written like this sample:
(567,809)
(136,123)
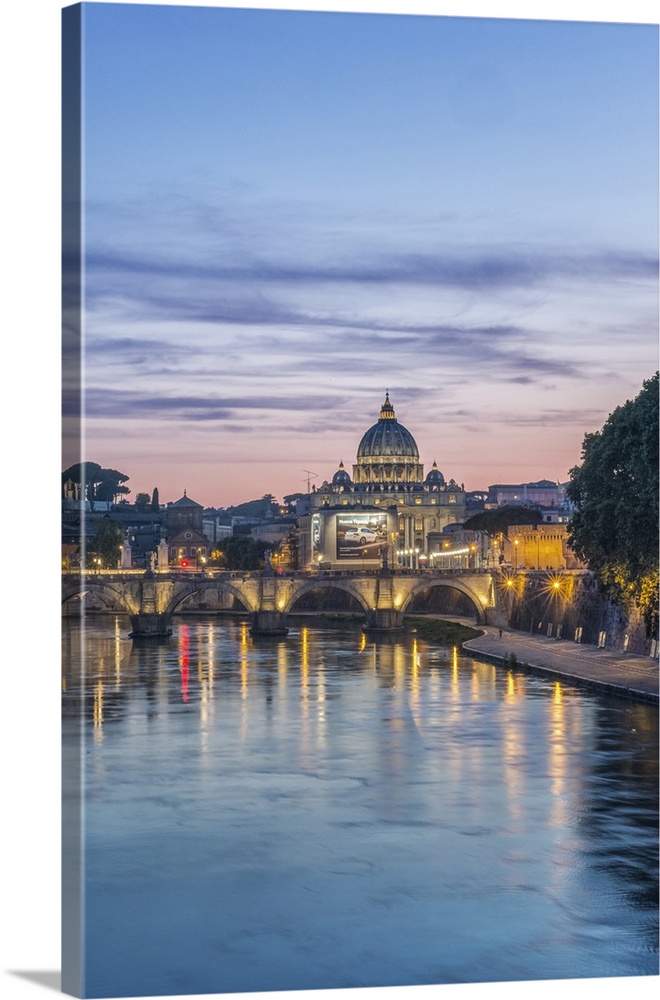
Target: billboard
(316,536)
(361,536)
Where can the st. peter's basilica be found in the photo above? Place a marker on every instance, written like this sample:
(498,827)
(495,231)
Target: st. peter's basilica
(388,512)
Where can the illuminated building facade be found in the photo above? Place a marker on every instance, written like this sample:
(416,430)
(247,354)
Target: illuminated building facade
(385,512)
(187,545)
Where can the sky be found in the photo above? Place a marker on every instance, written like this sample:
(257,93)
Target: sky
(289,212)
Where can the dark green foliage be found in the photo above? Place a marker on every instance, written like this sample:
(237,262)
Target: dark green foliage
(496,522)
(155,500)
(106,544)
(615,492)
(243,552)
(96,483)
(446,633)
(255,508)
(142,502)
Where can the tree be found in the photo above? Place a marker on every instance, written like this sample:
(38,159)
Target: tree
(615,492)
(155,500)
(111,485)
(142,502)
(243,552)
(95,483)
(106,543)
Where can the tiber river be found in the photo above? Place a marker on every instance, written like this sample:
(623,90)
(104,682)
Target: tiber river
(330,811)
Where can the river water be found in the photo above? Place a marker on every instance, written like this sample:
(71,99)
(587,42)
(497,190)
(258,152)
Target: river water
(327,811)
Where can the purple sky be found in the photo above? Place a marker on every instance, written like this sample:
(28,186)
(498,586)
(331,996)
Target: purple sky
(289,212)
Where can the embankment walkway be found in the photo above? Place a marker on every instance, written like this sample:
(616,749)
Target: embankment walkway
(626,674)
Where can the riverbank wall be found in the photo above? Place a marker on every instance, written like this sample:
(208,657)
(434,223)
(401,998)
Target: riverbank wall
(569,606)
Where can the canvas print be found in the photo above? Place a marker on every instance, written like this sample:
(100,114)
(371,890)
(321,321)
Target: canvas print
(359,500)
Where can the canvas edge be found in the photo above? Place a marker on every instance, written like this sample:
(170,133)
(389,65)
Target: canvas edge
(71,304)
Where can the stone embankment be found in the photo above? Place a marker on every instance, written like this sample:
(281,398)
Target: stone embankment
(628,674)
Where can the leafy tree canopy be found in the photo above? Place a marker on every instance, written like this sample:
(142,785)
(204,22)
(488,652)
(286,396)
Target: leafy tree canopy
(142,501)
(96,483)
(255,508)
(243,552)
(615,492)
(106,543)
(498,521)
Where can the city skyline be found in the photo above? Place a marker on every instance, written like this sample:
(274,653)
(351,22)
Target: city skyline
(288,212)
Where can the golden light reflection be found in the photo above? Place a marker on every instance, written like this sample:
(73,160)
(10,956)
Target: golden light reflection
(510,686)
(557,758)
(98,711)
(363,642)
(454,687)
(414,677)
(282,661)
(211,655)
(399,668)
(117,652)
(513,758)
(184,661)
(304,669)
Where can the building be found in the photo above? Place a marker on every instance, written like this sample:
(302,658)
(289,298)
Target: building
(187,545)
(544,547)
(384,513)
(544,493)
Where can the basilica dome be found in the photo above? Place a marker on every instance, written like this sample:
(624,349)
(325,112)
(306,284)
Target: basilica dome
(388,452)
(388,438)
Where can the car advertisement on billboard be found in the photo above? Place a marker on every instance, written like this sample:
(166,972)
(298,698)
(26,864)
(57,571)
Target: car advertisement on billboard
(361,536)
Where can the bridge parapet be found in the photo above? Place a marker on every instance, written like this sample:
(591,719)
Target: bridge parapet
(151,599)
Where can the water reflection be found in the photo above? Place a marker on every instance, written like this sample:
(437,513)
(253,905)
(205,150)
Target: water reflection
(347,790)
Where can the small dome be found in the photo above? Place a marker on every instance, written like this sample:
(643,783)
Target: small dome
(388,438)
(341,477)
(435,477)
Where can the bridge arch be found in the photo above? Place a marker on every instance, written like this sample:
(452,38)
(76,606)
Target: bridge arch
(196,586)
(453,583)
(113,596)
(309,586)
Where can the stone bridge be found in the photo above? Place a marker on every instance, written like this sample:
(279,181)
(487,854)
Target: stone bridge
(151,599)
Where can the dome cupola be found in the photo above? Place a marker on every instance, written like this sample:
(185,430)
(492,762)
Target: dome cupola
(341,477)
(387,452)
(435,477)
